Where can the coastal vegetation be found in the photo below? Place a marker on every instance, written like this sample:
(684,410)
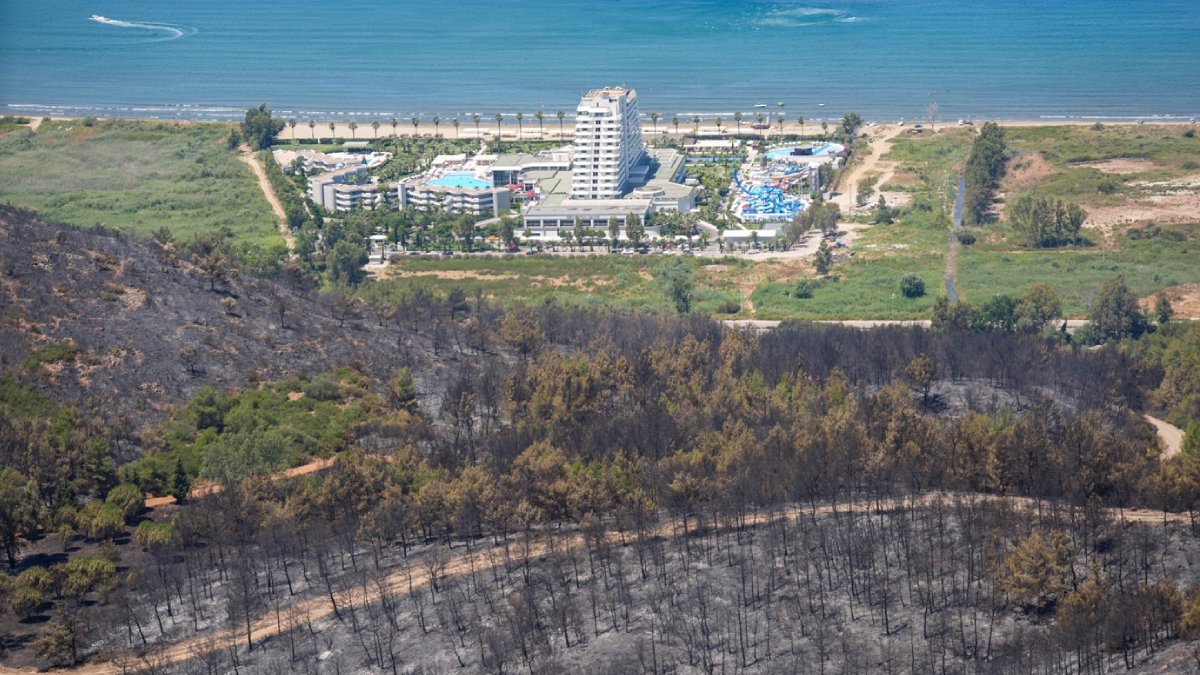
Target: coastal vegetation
(138,177)
(1130,190)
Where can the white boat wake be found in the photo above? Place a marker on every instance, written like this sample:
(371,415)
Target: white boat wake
(166,31)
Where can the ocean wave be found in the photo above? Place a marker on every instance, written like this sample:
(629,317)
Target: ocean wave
(801,17)
(166,31)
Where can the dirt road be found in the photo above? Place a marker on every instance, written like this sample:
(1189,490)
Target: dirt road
(1170,435)
(881,144)
(268,190)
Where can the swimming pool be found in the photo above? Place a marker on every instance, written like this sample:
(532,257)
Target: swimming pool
(817,151)
(461,180)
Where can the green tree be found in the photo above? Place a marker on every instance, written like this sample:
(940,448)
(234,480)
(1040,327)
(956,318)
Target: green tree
(402,390)
(1046,221)
(823,259)
(19,511)
(1116,314)
(614,231)
(260,128)
(1035,573)
(884,215)
(676,278)
(508,231)
(345,261)
(634,230)
(912,286)
(984,168)
(1162,308)
(1191,440)
(851,124)
(466,230)
(128,498)
(181,485)
(998,314)
(1038,307)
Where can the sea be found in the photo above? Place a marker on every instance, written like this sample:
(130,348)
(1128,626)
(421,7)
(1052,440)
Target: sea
(382,59)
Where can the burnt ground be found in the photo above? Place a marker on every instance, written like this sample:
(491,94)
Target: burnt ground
(850,592)
(113,325)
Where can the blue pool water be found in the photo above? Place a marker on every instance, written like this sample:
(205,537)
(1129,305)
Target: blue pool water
(784,153)
(461,180)
(379,59)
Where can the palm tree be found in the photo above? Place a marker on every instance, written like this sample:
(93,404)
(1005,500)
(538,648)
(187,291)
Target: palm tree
(475,118)
(454,123)
(499,119)
(292,124)
(416,122)
(737,119)
(395,123)
(654,121)
(758,120)
(437,124)
(520,117)
(560,115)
(312,129)
(540,117)
(332,130)
(353,125)
(375,128)
(696,124)
(780,124)
(719,122)
(675,121)
(800,121)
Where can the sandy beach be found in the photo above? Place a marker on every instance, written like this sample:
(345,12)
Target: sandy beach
(509,130)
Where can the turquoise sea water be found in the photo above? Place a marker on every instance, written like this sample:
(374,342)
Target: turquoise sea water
(882,58)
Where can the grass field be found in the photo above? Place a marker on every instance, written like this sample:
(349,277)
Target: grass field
(607,280)
(1076,274)
(136,176)
(1134,180)
(867,284)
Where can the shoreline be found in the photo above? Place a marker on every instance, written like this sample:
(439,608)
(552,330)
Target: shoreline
(550,130)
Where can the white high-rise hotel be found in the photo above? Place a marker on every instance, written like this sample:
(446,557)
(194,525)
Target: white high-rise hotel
(608,143)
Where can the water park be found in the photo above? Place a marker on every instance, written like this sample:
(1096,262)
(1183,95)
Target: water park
(775,186)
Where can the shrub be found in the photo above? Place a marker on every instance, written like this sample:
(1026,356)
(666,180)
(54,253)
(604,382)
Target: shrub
(323,389)
(966,238)
(805,288)
(128,498)
(1190,165)
(728,307)
(1108,186)
(912,286)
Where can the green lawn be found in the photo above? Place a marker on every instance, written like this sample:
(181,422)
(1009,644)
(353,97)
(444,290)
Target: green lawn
(1076,274)
(602,280)
(136,176)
